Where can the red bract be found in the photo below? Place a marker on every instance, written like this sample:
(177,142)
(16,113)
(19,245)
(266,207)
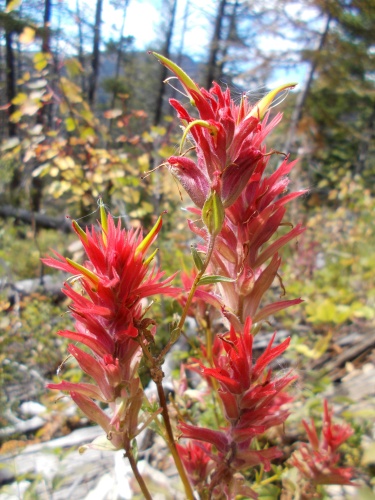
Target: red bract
(115,279)
(318,460)
(242,250)
(227,139)
(196,457)
(251,402)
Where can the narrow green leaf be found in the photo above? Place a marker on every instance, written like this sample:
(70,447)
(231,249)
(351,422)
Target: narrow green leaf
(197,258)
(208,280)
(213,213)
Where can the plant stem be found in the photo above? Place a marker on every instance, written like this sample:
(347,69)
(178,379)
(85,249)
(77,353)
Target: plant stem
(189,299)
(133,464)
(196,281)
(157,374)
(171,443)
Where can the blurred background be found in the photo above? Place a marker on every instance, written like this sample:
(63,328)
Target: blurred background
(84,113)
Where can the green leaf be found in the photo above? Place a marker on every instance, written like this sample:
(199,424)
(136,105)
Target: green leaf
(20,98)
(70,124)
(73,67)
(213,213)
(208,280)
(41,59)
(260,109)
(197,258)
(87,133)
(319,348)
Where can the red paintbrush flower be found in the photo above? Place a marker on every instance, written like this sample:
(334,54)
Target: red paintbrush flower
(251,402)
(115,280)
(242,250)
(239,206)
(227,139)
(196,457)
(318,461)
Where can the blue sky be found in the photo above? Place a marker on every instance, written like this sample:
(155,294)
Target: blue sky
(143,22)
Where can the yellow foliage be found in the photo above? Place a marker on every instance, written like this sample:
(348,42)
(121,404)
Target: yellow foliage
(27,36)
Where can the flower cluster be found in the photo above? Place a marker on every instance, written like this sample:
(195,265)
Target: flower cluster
(318,461)
(108,317)
(231,161)
(239,213)
(227,139)
(252,400)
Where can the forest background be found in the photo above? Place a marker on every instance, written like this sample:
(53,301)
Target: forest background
(84,113)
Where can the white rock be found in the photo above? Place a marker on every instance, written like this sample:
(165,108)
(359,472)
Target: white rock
(14,491)
(103,490)
(31,409)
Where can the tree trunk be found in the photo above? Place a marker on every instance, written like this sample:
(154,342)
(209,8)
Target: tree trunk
(119,51)
(229,38)
(95,54)
(10,76)
(215,45)
(80,46)
(368,135)
(183,32)
(302,96)
(46,25)
(172,4)
(44,115)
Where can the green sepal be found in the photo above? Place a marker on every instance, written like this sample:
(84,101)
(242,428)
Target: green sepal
(196,257)
(215,278)
(175,335)
(213,213)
